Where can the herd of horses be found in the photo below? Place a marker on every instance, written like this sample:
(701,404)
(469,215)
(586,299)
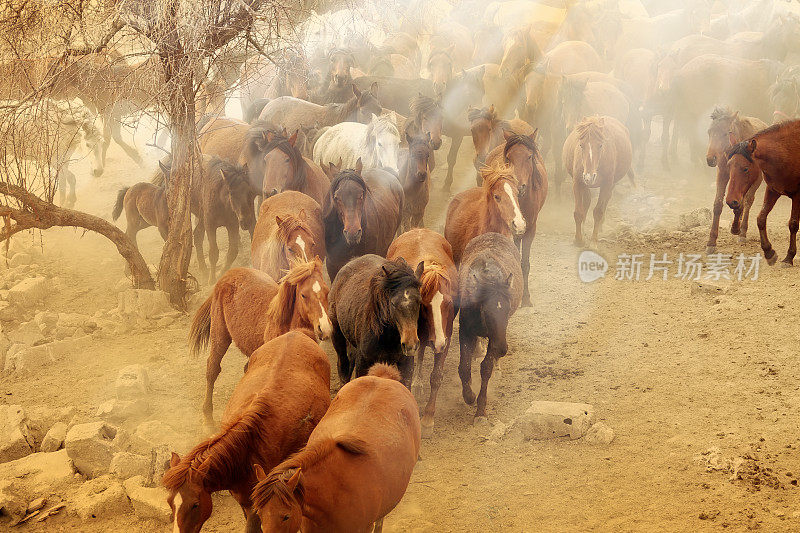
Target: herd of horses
(339,145)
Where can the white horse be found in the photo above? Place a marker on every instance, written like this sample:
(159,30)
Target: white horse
(376,143)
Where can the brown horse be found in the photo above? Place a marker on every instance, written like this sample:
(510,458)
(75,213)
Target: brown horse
(439,305)
(224,198)
(294,113)
(519,50)
(270,415)
(426,118)
(416,181)
(440,67)
(492,207)
(289,229)
(285,169)
(727,129)
(490,291)
(248,308)
(774,152)
(223,137)
(488,132)
(597,154)
(522,153)
(374,307)
(336,88)
(145,205)
(363,450)
(361,214)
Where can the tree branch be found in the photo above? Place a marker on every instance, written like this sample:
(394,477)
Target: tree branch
(117,25)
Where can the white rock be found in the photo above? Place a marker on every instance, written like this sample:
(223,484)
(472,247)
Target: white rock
(91,447)
(27,333)
(142,303)
(599,433)
(29,292)
(54,438)
(9,312)
(155,432)
(548,420)
(132,383)
(16,440)
(28,359)
(148,503)
(119,410)
(100,497)
(126,465)
(40,472)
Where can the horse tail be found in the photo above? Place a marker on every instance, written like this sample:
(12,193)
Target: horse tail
(382,370)
(119,204)
(200,331)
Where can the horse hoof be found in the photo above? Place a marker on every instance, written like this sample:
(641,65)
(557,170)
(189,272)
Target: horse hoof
(742,239)
(481,422)
(786,264)
(711,250)
(469,397)
(426,426)
(771,259)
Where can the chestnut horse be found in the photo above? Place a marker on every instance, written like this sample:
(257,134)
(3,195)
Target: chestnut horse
(374,305)
(439,305)
(285,169)
(727,129)
(488,132)
(145,205)
(490,291)
(362,451)
(774,152)
(597,154)
(289,229)
(248,307)
(426,118)
(270,415)
(416,180)
(360,214)
(492,207)
(522,153)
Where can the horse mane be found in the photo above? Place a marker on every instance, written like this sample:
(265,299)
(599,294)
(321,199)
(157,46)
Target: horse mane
(312,454)
(344,175)
(422,105)
(298,179)
(382,124)
(256,137)
(393,278)
(481,113)
(722,113)
(218,456)
(434,279)
(590,127)
(492,174)
(281,308)
(485,284)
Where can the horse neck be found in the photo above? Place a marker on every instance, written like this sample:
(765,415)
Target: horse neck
(342,112)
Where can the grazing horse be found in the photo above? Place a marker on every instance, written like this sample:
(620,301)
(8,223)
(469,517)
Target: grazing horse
(492,207)
(360,215)
(491,289)
(376,144)
(374,309)
(285,169)
(363,450)
(294,113)
(597,154)
(727,129)
(248,308)
(289,229)
(270,415)
(425,118)
(522,153)
(145,205)
(415,179)
(224,198)
(773,151)
(439,305)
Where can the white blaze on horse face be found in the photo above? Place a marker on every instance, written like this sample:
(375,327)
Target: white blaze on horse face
(519,221)
(301,243)
(438,327)
(176,502)
(325,325)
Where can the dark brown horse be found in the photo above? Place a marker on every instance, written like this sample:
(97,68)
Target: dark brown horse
(774,151)
(416,180)
(145,205)
(490,291)
(285,169)
(489,131)
(336,88)
(439,305)
(374,309)
(270,415)
(492,207)
(522,153)
(727,129)
(361,214)
(289,229)
(363,450)
(425,118)
(248,307)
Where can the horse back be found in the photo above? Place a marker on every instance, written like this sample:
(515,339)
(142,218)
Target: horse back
(491,248)
(382,209)
(464,220)
(317,182)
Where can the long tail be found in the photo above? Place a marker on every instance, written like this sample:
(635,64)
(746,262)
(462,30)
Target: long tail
(119,204)
(382,370)
(200,331)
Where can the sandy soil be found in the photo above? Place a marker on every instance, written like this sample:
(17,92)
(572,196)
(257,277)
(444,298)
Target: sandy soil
(672,371)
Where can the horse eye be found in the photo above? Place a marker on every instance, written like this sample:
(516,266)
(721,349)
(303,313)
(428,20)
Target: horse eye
(497,197)
(285,518)
(195,505)
(746,169)
(303,296)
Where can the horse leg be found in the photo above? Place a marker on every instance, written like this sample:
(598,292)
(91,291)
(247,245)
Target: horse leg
(582,200)
(794,221)
(378,528)
(106,135)
(199,232)
(722,184)
(66,178)
(220,342)
(340,345)
(487,366)
(600,211)
(406,368)
(213,253)
(436,381)
(527,241)
(116,134)
(770,197)
(748,203)
(452,156)
(417,388)
(233,246)
(467,341)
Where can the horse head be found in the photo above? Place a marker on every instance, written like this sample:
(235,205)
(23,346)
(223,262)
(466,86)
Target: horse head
(396,297)
(346,199)
(592,148)
(428,115)
(188,498)
(744,172)
(419,154)
(367,103)
(501,191)
(278,500)
(491,289)
(296,237)
(340,63)
(440,66)
(482,123)
(383,140)
(283,165)
(437,307)
(239,192)
(520,151)
(303,293)
(719,131)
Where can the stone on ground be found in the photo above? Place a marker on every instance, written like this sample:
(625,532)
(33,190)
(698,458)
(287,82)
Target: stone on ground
(549,420)
(599,434)
(120,410)
(143,303)
(54,438)
(29,292)
(91,447)
(132,383)
(126,465)
(40,473)
(148,502)
(100,497)
(154,433)
(16,439)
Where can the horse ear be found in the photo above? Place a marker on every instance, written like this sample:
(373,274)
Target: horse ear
(420,269)
(302,214)
(278,220)
(732,138)
(293,138)
(356,91)
(383,267)
(534,135)
(751,146)
(294,481)
(174,460)
(373,89)
(260,475)
(509,279)
(359,166)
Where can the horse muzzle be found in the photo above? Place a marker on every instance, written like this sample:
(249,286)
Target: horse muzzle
(590,179)
(340,80)
(422,176)
(711,161)
(410,349)
(735,205)
(353,237)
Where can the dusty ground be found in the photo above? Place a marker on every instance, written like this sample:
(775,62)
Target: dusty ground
(674,373)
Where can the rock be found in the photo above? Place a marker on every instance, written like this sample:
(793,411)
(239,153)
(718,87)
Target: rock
(19,259)
(159,463)
(71,320)
(154,433)
(29,292)
(143,303)
(28,333)
(46,322)
(132,383)
(91,447)
(12,502)
(43,417)
(548,420)
(119,410)
(498,431)
(54,439)
(126,465)
(8,312)
(148,503)
(16,440)
(697,217)
(40,473)
(599,434)
(27,359)
(98,497)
